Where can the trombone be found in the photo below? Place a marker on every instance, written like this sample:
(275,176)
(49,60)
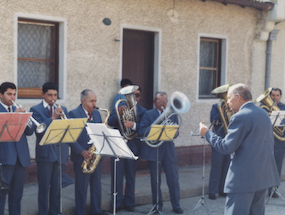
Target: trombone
(40,126)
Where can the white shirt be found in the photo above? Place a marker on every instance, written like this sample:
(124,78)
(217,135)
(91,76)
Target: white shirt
(45,104)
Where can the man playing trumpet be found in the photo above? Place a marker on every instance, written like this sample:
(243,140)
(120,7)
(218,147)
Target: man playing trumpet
(250,141)
(47,156)
(14,156)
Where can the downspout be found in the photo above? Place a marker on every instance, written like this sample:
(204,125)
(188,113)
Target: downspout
(272,36)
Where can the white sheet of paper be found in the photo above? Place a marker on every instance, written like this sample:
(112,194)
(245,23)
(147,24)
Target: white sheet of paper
(278,119)
(117,147)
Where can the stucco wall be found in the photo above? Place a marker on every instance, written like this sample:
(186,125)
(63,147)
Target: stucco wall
(278,58)
(93,57)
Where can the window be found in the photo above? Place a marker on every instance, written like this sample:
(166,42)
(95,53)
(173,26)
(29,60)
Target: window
(209,66)
(38,52)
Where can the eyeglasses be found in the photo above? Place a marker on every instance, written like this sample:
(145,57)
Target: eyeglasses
(137,95)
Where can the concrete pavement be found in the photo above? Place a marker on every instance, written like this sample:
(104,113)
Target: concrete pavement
(191,184)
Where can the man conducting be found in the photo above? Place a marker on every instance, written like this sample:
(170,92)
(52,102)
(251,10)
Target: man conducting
(250,142)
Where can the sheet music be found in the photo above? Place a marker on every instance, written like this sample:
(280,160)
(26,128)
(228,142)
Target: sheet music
(277,118)
(117,146)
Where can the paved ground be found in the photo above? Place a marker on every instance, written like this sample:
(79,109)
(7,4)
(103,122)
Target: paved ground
(191,184)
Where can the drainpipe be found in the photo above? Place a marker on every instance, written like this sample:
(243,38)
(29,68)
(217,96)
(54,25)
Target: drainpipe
(272,36)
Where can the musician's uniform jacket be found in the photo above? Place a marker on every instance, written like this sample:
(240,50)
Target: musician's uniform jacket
(82,180)
(14,157)
(250,141)
(126,167)
(48,161)
(220,162)
(167,158)
(48,153)
(279,146)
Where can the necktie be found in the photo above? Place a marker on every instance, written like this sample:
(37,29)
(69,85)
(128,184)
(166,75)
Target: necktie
(50,110)
(9,109)
(90,117)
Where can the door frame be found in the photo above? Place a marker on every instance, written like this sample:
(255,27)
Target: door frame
(157,53)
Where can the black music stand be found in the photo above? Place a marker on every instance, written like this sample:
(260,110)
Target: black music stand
(63,131)
(157,134)
(202,202)
(276,118)
(109,142)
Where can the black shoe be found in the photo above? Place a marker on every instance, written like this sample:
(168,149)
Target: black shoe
(222,194)
(129,208)
(178,211)
(103,213)
(212,196)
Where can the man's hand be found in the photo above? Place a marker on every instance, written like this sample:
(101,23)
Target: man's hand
(203,129)
(58,112)
(121,109)
(128,124)
(86,154)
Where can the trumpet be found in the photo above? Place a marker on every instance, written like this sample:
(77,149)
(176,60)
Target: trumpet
(40,126)
(58,106)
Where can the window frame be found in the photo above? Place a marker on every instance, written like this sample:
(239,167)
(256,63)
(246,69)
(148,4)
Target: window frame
(223,63)
(61,54)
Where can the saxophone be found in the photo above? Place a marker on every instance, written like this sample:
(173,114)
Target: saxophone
(89,165)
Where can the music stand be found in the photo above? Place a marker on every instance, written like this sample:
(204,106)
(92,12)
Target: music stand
(109,142)
(13,125)
(63,131)
(276,118)
(157,134)
(202,202)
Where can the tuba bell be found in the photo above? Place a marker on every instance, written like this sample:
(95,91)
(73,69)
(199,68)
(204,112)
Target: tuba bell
(270,106)
(89,165)
(223,107)
(130,113)
(179,103)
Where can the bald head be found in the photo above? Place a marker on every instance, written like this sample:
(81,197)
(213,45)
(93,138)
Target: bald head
(88,100)
(242,90)
(238,94)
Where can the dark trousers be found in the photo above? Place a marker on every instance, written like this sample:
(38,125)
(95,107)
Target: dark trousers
(49,190)
(14,175)
(82,181)
(278,155)
(172,179)
(219,168)
(125,167)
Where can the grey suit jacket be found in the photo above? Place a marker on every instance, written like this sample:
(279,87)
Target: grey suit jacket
(250,141)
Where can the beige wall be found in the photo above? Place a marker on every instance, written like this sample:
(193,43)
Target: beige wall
(93,57)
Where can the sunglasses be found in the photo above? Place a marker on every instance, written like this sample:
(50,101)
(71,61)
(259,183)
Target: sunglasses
(137,95)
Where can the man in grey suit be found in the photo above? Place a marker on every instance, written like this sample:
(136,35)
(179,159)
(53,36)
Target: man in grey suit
(250,142)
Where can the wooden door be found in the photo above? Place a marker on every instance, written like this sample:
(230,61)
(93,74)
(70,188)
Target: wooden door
(138,62)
